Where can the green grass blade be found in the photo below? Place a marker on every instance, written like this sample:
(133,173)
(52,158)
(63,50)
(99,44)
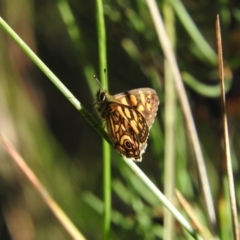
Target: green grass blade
(106,148)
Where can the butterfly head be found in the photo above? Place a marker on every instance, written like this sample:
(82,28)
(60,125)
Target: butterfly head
(103,102)
(101,96)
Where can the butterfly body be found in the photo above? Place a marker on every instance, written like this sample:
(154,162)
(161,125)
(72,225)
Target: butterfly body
(129,117)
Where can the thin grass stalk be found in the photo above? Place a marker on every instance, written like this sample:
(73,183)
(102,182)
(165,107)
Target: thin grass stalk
(231,188)
(193,216)
(162,198)
(102,48)
(164,42)
(170,115)
(53,206)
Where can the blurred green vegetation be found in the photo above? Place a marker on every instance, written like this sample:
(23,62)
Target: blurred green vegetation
(65,151)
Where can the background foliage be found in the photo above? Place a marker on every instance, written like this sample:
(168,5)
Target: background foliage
(65,151)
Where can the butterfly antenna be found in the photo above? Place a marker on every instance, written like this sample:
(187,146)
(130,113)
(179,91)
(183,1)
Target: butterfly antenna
(95,77)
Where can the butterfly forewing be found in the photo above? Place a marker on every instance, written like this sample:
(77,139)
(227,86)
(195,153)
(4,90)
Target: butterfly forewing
(145,100)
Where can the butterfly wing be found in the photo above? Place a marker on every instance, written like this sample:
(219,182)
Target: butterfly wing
(145,100)
(129,116)
(128,130)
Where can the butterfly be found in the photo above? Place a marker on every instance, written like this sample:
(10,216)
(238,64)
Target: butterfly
(129,117)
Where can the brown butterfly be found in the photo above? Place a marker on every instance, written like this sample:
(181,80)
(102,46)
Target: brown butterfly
(129,117)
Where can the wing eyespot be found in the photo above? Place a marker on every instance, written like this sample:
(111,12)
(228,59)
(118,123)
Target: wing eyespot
(127,144)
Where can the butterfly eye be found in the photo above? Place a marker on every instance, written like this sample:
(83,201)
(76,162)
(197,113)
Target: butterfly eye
(102,96)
